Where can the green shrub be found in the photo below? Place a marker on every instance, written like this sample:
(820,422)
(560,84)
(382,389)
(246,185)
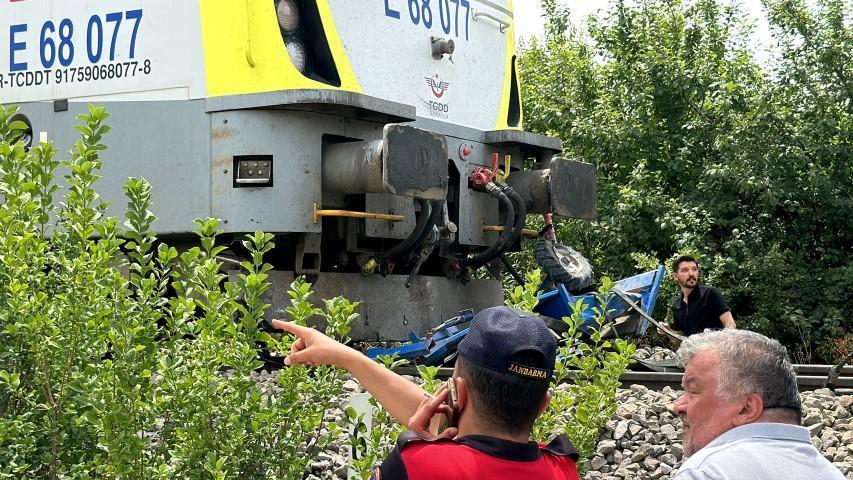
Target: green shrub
(104,375)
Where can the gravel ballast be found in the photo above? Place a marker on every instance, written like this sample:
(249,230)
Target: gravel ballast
(643,439)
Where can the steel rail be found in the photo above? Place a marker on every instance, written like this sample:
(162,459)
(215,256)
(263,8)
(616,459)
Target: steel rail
(821,370)
(810,377)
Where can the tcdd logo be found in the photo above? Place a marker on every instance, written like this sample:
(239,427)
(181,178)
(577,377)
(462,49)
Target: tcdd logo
(439,107)
(437,85)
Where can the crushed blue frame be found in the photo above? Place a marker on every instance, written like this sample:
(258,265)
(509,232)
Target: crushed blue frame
(433,348)
(644,288)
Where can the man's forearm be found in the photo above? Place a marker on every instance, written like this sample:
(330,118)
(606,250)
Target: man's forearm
(400,397)
(728,320)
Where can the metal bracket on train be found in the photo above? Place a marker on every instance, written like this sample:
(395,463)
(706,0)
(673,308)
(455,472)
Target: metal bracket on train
(308,254)
(436,348)
(408,161)
(566,188)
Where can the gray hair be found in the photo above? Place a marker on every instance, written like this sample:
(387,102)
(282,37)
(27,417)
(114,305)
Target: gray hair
(749,363)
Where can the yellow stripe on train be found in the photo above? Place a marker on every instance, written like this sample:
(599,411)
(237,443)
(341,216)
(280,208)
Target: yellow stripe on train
(503,112)
(244,51)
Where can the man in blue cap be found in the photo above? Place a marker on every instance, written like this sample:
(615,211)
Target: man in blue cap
(501,378)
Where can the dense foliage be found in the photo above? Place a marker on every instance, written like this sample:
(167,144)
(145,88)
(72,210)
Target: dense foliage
(123,358)
(699,147)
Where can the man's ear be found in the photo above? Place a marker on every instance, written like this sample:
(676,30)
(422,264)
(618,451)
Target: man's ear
(462,393)
(751,409)
(546,400)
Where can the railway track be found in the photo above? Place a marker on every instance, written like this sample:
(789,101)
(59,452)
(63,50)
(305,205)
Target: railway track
(809,377)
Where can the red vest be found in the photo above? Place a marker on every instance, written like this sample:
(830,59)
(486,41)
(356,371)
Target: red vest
(478,457)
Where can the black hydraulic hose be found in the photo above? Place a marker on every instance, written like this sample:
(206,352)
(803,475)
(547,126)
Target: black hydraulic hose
(411,241)
(512,271)
(434,218)
(494,249)
(520,218)
(520,211)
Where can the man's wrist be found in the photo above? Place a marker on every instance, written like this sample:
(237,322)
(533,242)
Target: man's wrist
(348,358)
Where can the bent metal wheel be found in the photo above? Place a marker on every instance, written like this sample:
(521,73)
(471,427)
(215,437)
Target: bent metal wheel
(563,265)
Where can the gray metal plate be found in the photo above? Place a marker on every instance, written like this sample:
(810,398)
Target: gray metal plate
(476,210)
(285,207)
(389,310)
(395,205)
(165,142)
(573,189)
(509,138)
(335,102)
(415,162)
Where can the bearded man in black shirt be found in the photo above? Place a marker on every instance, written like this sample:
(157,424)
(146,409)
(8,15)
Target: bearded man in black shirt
(697,307)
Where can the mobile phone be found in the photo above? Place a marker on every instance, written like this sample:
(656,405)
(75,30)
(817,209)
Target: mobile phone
(452,402)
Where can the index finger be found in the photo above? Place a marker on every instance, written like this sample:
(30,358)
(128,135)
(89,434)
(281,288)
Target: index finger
(439,397)
(291,327)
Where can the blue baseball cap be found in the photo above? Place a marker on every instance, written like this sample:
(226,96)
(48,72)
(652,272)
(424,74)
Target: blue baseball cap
(497,335)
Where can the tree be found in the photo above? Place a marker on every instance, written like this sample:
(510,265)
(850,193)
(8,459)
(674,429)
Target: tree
(698,147)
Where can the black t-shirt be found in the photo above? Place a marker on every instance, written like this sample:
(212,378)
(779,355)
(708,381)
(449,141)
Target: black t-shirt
(702,310)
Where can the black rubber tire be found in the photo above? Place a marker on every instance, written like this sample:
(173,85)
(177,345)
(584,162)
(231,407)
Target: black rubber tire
(564,265)
(557,326)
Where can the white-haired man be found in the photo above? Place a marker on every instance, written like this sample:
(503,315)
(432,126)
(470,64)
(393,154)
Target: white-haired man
(741,411)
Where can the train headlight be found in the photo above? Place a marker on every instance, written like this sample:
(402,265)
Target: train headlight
(27,136)
(296,50)
(288,15)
